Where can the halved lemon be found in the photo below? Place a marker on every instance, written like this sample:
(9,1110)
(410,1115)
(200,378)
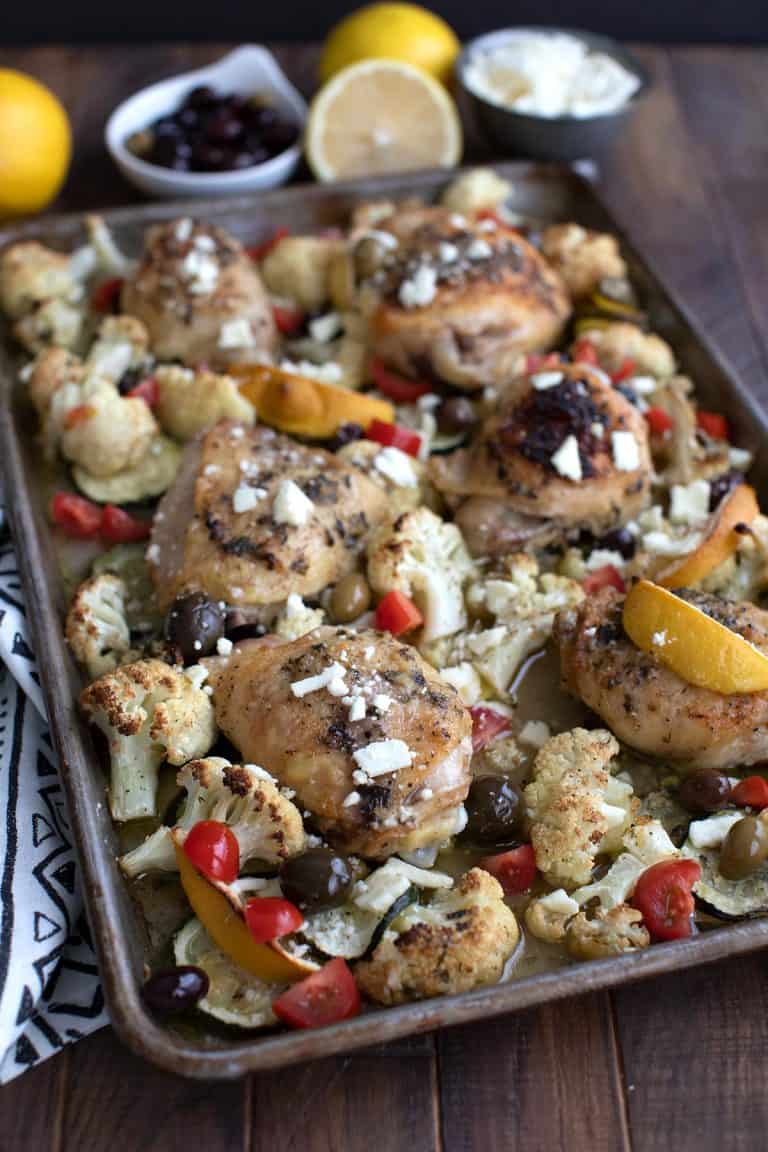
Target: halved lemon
(381,116)
(721,541)
(699,649)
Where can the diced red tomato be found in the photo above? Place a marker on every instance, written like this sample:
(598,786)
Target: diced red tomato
(659,422)
(628,368)
(515,869)
(397,388)
(119,527)
(323,998)
(397,614)
(147,390)
(105,297)
(288,320)
(394,436)
(751,792)
(213,849)
(259,251)
(78,415)
(269,917)
(584,352)
(486,723)
(75,516)
(539,361)
(663,895)
(713,423)
(606,577)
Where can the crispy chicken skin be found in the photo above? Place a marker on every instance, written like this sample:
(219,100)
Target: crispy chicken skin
(647,705)
(495,298)
(308,742)
(192,281)
(512,459)
(248,558)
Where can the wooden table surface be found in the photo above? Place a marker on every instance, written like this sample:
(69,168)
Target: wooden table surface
(678,1062)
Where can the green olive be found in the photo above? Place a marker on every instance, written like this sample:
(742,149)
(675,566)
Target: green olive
(744,849)
(350,598)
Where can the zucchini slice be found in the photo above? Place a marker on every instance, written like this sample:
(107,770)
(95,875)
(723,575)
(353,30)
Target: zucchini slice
(150,477)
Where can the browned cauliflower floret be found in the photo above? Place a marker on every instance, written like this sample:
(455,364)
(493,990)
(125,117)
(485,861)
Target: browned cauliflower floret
(42,291)
(547,917)
(462,939)
(268,827)
(474,190)
(583,258)
(107,433)
(96,629)
(149,712)
(55,322)
(610,933)
(619,342)
(298,267)
(576,807)
(191,400)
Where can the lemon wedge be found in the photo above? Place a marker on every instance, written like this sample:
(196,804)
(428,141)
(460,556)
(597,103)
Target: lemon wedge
(699,649)
(381,116)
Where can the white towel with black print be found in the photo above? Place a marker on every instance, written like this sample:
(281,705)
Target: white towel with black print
(49,983)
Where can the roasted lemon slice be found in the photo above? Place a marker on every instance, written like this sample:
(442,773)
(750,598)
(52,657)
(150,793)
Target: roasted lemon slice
(739,507)
(234,995)
(699,649)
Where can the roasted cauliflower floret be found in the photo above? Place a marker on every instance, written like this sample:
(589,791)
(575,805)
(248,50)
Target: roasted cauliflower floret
(619,342)
(426,559)
(107,433)
(297,618)
(191,400)
(149,712)
(576,808)
(55,322)
(606,933)
(547,917)
(96,628)
(268,827)
(40,290)
(402,477)
(583,258)
(472,191)
(298,268)
(461,940)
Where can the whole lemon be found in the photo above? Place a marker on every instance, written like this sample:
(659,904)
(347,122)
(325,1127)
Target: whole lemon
(35,144)
(396,31)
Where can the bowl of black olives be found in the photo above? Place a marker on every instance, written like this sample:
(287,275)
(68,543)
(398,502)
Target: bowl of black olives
(227,129)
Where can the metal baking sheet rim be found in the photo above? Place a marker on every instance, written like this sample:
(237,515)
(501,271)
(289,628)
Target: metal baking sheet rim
(104,888)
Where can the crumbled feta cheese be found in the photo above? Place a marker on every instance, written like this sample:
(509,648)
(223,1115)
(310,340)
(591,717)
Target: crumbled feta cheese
(711,832)
(328,373)
(197,674)
(659,638)
(369,652)
(350,800)
(689,503)
(466,681)
(382,757)
(200,271)
(397,466)
(291,506)
(338,686)
(567,461)
(236,334)
(301,688)
(223,646)
(183,230)
(245,498)
(626,453)
(598,430)
(381,702)
(385,239)
(420,876)
(378,892)
(420,289)
(153,554)
(543,380)
(479,250)
(325,328)
(603,556)
(643,385)
(535,733)
(236,433)
(204,243)
(662,544)
(447,252)
(456,220)
(559,902)
(740,459)
(356,706)
(488,225)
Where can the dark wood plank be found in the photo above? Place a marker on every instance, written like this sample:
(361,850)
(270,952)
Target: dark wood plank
(543,1081)
(115,1102)
(384,1098)
(31,1108)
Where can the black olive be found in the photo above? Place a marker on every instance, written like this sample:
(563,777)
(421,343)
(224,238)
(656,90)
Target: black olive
(318,879)
(193,626)
(129,379)
(721,485)
(201,97)
(175,989)
(494,810)
(620,540)
(222,127)
(456,414)
(704,790)
(346,434)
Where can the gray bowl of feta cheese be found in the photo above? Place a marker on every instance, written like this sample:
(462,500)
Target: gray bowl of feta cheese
(551,93)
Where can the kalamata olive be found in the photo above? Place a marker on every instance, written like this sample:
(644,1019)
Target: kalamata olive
(456,414)
(201,97)
(704,790)
(346,434)
(350,598)
(316,880)
(620,540)
(193,625)
(129,379)
(175,989)
(721,485)
(222,127)
(744,849)
(494,810)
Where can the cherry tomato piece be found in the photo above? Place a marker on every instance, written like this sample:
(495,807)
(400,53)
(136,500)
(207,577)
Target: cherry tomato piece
(397,614)
(75,516)
(605,577)
(663,896)
(395,387)
(486,723)
(323,998)
(288,320)
(751,792)
(584,352)
(259,251)
(714,424)
(147,390)
(269,917)
(659,422)
(106,296)
(119,527)
(394,436)
(78,415)
(626,371)
(213,850)
(515,869)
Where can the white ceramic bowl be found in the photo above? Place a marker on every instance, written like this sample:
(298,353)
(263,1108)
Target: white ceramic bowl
(245,71)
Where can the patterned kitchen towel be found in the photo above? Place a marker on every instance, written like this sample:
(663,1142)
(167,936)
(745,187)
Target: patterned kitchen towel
(49,982)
